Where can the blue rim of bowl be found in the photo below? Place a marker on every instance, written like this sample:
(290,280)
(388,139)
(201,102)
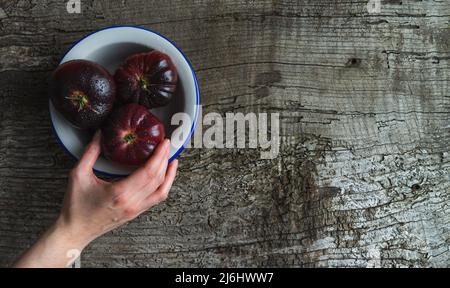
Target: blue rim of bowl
(197,93)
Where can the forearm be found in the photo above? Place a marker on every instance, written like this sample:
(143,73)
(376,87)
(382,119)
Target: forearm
(54,249)
(93,207)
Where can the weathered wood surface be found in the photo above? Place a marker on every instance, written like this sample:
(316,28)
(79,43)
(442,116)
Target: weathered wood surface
(363,174)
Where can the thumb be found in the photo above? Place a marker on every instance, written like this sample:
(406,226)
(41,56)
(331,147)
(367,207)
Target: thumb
(91,153)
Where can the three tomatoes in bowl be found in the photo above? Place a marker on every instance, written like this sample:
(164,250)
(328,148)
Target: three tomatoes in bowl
(89,97)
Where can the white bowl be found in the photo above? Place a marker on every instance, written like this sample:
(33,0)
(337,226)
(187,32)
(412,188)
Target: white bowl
(110,47)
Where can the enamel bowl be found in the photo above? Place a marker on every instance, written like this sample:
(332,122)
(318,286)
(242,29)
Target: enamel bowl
(110,47)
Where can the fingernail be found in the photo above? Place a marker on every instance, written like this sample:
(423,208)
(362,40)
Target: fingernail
(167,144)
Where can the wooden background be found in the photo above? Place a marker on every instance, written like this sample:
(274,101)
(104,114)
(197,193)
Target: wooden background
(362,179)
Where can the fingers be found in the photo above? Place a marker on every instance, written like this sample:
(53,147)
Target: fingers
(157,179)
(161,155)
(162,192)
(149,171)
(162,169)
(91,154)
(154,181)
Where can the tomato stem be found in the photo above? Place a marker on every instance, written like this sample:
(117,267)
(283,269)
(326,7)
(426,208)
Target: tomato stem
(130,138)
(143,83)
(80,99)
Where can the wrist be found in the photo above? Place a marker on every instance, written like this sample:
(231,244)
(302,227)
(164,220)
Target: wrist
(55,248)
(68,232)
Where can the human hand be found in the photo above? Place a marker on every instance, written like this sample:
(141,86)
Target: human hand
(93,206)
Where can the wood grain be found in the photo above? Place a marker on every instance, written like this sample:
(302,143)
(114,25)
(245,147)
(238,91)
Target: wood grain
(362,179)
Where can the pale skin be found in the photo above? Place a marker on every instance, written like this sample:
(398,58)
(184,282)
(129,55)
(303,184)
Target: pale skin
(93,207)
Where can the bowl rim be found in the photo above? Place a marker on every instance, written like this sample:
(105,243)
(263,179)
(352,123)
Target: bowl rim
(194,76)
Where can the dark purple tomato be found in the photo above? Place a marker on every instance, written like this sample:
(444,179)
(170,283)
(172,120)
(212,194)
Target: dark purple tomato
(130,135)
(149,79)
(83,92)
